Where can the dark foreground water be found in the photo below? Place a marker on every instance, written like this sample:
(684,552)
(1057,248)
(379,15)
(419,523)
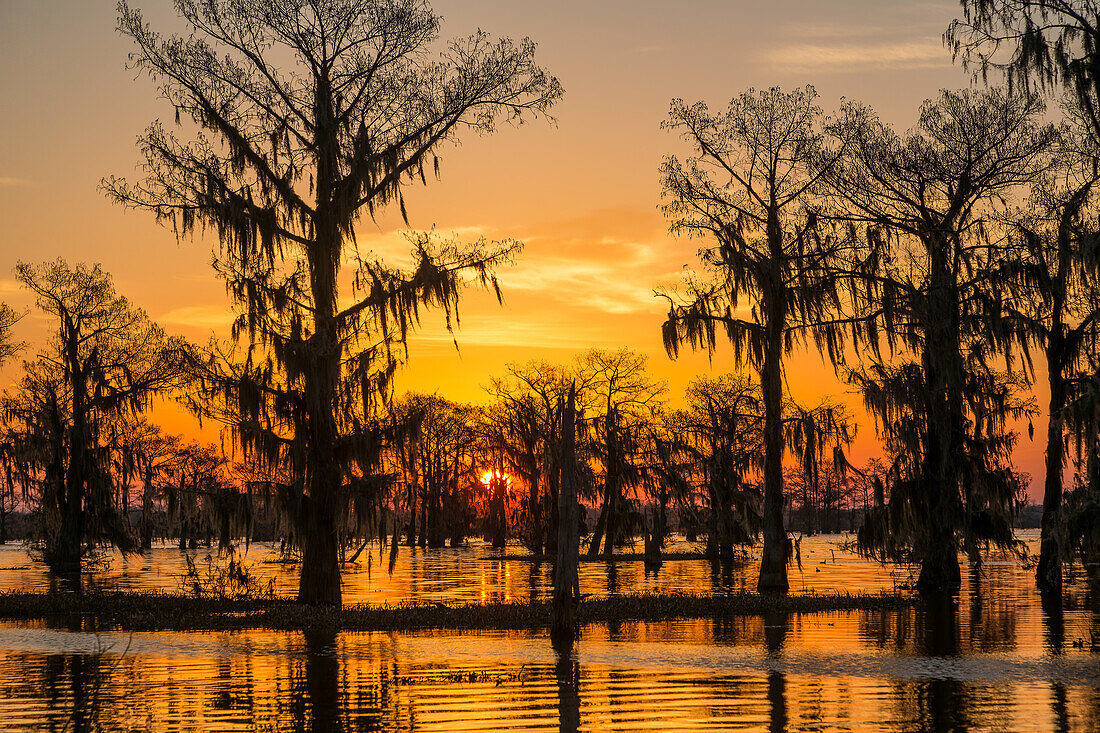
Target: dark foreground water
(995,659)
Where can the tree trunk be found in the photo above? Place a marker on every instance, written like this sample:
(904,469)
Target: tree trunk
(534,510)
(1049,571)
(773,561)
(552,479)
(410,539)
(437,536)
(808,507)
(66,548)
(319,583)
(938,497)
(611,525)
(711,550)
(566,587)
(65,555)
(422,538)
(598,531)
(499,510)
(147,514)
(653,538)
(722,506)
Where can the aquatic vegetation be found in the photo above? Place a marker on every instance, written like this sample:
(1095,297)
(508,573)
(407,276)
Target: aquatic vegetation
(160,611)
(223,579)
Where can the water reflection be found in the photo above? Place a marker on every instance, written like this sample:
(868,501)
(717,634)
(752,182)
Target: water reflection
(996,657)
(777,698)
(79,679)
(476,573)
(722,575)
(1054,622)
(992,618)
(567,672)
(612,578)
(775,673)
(775,634)
(940,701)
(319,688)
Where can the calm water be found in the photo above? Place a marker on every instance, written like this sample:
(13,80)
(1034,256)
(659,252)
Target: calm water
(994,660)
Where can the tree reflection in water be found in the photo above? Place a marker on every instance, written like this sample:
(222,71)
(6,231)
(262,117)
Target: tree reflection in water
(941,700)
(567,673)
(996,657)
(1054,639)
(776,627)
(321,685)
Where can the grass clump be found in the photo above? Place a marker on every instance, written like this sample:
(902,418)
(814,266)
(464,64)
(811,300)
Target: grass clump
(223,580)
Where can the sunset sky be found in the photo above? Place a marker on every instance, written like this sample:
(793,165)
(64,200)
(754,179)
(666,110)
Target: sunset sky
(582,194)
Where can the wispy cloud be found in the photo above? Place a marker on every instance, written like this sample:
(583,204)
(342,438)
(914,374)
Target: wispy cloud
(576,263)
(503,329)
(199,316)
(839,58)
(12,181)
(822,31)
(608,287)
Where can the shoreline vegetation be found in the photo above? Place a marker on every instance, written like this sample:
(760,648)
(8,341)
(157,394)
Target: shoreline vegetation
(139,611)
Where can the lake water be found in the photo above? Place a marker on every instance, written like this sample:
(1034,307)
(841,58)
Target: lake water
(994,659)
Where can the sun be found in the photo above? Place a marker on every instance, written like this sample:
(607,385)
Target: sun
(488,476)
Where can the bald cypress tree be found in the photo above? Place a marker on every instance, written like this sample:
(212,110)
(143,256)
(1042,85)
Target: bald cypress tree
(312,115)
(9,347)
(774,274)
(1034,45)
(622,397)
(1059,265)
(720,436)
(1051,46)
(103,363)
(941,299)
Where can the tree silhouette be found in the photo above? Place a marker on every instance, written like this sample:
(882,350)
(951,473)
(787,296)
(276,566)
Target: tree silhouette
(720,431)
(1061,263)
(150,455)
(1077,532)
(817,437)
(1047,45)
(943,279)
(439,462)
(1036,45)
(526,420)
(622,397)
(104,362)
(1065,263)
(316,115)
(775,272)
(9,347)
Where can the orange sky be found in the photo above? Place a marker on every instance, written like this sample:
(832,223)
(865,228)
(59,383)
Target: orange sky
(583,194)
